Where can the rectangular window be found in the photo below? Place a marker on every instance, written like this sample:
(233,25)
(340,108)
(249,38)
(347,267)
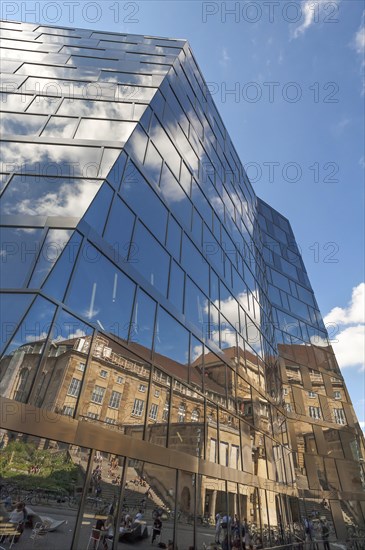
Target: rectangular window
(287,407)
(339,416)
(213,450)
(115,400)
(98,394)
(315,412)
(312,394)
(153,411)
(165,414)
(157,393)
(68,411)
(137,407)
(120,379)
(74,387)
(81,367)
(93,416)
(337,394)
(103,373)
(109,420)
(142,388)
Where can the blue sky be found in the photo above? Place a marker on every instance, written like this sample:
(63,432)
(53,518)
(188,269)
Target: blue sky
(296,69)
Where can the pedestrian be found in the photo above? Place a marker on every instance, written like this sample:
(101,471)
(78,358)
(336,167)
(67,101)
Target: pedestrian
(157,526)
(325,535)
(109,530)
(218,527)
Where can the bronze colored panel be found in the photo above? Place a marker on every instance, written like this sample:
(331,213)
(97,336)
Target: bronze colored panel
(320,440)
(311,467)
(328,385)
(298,400)
(284,376)
(349,414)
(24,418)
(338,521)
(292,434)
(326,411)
(307,383)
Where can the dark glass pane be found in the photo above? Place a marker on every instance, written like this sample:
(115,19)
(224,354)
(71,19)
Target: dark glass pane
(98,210)
(12,308)
(153,163)
(175,196)
(196,307)
(176,286)
(19,249)
(172,341)
(195,264)
(119,227)
(173,242)
(52,249)
(143,320)
(139,195)
(58,278)
(150,258)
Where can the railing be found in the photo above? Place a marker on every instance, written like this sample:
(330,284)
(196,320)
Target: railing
(349,544)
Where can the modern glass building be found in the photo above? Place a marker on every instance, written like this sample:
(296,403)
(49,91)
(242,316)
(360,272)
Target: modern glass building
(162,348)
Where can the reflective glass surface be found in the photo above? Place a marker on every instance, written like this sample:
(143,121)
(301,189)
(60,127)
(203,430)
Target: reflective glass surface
(154,306)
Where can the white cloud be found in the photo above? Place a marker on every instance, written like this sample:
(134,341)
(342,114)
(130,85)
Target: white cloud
(225,59)
(347,328)
(311,13)
(353,313)
(359,46)
(349,347)
(360,37)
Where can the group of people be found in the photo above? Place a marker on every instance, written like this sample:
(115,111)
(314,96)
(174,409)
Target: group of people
(34,469)
(106,528)
(310,532)
(230,531)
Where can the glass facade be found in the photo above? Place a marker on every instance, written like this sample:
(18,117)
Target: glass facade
(165,370)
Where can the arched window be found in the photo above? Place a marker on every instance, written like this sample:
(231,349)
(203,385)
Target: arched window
(181,413)
(195,415)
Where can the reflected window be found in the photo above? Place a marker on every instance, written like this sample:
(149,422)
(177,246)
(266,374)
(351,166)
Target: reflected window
(153,411)
(74,387)
(181,414)
(137,407)
(115,400)
(195,415)
(315,412)
(97,395)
